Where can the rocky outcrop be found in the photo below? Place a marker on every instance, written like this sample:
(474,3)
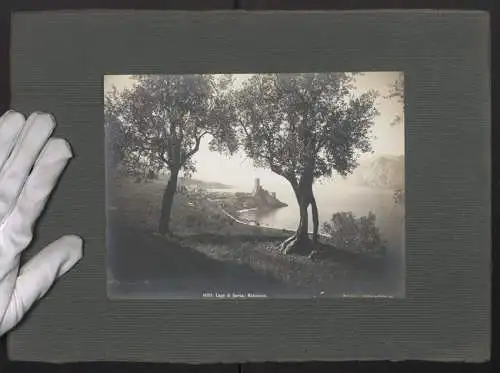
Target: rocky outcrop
(234,203)
(263,199)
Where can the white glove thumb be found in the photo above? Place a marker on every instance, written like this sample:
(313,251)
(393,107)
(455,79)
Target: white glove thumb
(38,275)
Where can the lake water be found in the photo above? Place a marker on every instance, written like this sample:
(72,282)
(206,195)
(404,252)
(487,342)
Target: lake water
(331,197)
(344,196)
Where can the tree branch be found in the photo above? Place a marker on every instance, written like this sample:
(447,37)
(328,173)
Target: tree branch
(283,173)
(196,147)
(318,147)
(244,127)
(166,160)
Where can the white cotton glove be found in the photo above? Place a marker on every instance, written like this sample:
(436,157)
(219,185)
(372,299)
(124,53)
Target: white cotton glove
(30,165)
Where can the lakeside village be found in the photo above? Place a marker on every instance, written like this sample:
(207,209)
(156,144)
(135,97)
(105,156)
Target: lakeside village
(235,204)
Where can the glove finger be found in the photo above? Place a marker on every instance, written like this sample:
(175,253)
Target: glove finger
(8,278)
(11,124)
(13,175)
(38,275)
(42,180)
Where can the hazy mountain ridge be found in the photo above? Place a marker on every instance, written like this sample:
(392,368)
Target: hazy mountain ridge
(385,171)
(204,184)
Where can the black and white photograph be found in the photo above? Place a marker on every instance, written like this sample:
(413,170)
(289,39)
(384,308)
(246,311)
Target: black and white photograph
(255,186)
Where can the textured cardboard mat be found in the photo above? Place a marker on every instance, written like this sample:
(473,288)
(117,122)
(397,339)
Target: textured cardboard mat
(58,63)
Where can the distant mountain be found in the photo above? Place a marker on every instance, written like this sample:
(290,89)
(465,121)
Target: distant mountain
(203,184)
(386,172)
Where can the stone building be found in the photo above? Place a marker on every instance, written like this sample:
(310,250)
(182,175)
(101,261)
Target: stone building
(257,187)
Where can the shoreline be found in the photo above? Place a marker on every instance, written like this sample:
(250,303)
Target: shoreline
(250,223)
(256,224)
(233,204)
(198,211)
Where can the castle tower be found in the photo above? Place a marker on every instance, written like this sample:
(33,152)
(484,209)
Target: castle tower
(257,186)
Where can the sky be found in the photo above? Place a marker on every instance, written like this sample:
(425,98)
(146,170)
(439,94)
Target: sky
(239,171)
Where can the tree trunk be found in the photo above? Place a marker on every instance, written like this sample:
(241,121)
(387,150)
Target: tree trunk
(315,217)
(299,243)
(167,202)
(303,228)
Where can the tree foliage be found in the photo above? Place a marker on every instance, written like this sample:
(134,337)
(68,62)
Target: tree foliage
(115,140)
(293,123)
(163,118)
(396,91)
(161,122)
(397,88)
(361,235)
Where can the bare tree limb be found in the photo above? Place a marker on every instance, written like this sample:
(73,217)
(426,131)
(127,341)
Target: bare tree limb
(242,125)
(196,147)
